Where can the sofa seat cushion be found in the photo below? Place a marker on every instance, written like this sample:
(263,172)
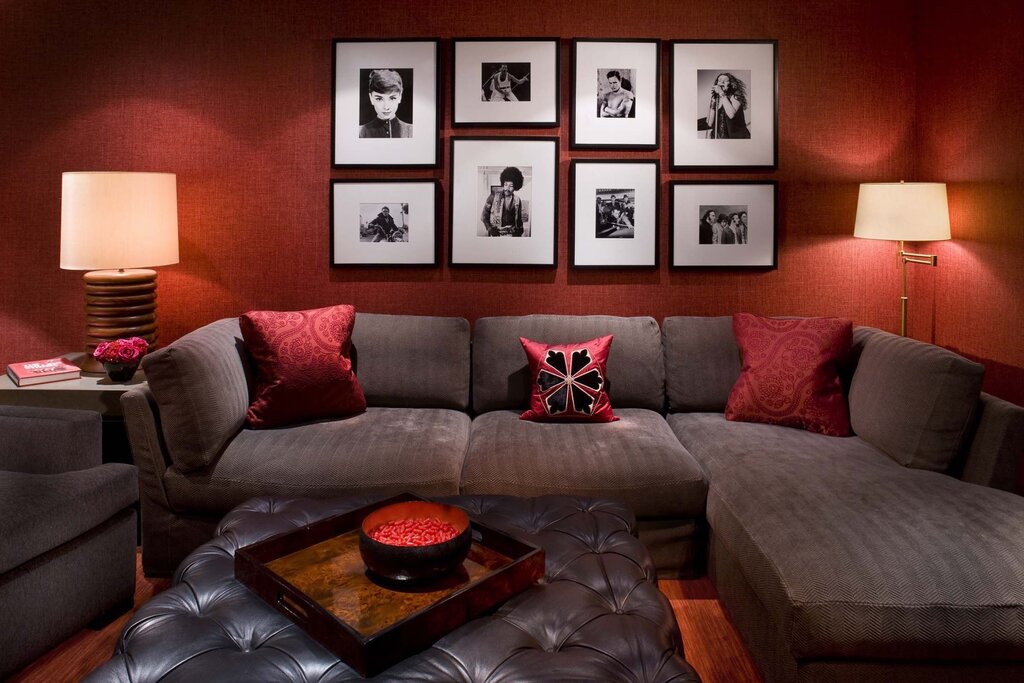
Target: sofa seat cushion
(39,512)
(635,460)
(719,445)
(384,450)
(858,557)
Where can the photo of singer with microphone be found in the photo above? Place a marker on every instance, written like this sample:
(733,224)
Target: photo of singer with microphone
(728,104)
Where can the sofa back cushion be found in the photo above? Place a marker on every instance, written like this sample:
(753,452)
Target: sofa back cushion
(413,361)
(501,377)
(201,384)
(702,362)
(913,400)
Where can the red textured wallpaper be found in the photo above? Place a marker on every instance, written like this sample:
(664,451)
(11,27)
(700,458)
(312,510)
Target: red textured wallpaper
(970,120)
(234,97)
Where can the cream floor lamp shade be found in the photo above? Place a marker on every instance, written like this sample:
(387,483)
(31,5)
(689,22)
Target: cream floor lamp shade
(118,225)
(904,212)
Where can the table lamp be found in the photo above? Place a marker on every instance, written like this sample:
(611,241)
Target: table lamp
(116,225)
(911,212)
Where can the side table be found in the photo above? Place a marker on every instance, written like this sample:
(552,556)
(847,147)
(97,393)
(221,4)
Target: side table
(89,392)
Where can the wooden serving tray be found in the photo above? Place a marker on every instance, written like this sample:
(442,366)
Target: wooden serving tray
(315,576)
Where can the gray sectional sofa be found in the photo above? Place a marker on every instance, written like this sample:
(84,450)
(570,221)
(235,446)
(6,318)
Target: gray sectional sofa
(889,555)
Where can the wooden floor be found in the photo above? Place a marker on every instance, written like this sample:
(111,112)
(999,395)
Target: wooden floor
(712,646)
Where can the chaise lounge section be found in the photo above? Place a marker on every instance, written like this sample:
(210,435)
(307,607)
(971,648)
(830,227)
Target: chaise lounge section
(839,562)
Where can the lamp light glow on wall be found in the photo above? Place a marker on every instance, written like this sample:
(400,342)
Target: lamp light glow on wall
(905,212)
(117,225)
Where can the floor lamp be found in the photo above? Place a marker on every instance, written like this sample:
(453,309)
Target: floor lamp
(117,225)
(905,212)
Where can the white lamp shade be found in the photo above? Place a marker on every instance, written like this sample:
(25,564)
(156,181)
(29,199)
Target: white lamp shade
(914,212)
(118,220)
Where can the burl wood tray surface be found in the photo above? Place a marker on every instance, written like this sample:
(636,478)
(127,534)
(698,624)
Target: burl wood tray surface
(315,576)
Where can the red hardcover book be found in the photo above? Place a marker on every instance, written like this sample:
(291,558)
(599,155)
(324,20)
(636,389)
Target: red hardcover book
(42,371)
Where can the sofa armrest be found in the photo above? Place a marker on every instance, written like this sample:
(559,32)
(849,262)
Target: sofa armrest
(49,440)
(149,452)
(998,444)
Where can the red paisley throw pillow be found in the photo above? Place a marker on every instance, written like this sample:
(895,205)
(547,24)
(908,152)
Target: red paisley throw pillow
(568,381)
(790,375)
(303,369)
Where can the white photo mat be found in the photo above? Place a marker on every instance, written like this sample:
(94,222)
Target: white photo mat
(353,202)
(590,177)
(691,200)
(353,57)
(467,246)
(588,128)
(689,104)
(467,84)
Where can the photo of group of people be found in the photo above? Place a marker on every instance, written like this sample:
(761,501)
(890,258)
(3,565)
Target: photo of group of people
(507,192)
(616,208)
(383,222)
(727,94)
(505,82)
(616,93)
(723,224)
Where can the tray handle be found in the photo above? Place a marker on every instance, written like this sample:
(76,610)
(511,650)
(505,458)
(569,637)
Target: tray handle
(293,608)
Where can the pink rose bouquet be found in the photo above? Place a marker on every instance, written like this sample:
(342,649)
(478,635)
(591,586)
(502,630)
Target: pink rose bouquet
(127,351)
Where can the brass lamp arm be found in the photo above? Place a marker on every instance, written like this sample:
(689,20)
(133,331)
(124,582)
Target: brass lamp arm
(905,258)
(925,259)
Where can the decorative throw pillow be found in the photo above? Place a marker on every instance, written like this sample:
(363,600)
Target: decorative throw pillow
(303,369)
(568,381)
(790,375)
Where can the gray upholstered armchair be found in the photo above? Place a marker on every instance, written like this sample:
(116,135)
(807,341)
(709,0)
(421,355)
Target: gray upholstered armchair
(67,530)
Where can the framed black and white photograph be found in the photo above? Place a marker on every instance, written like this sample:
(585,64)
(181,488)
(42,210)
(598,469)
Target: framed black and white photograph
(384,222)
(724,104)
(505,82)
(504,199)
(616,86)
(724,224)
(614,206)
(385,106)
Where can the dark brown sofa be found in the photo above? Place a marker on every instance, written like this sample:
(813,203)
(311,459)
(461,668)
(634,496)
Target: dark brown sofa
(890,554)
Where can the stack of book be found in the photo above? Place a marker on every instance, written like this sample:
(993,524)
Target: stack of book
(42,371)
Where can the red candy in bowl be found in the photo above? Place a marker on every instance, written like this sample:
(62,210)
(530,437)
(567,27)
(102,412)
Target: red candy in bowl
(414,541)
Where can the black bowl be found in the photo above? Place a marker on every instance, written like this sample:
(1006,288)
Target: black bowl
(420,562)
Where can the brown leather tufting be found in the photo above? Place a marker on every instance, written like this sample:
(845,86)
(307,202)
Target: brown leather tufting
(596,616)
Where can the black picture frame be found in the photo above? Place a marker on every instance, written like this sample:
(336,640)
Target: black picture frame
(473,160)
(757,153)
(688,248)
(642,124)
(470,105)
(352,59)
(591,241)
(416,248)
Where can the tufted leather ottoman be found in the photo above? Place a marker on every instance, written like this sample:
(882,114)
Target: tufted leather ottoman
(596,616)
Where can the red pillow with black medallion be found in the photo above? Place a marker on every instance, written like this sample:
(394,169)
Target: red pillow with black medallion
(568,381)
(790,373)
(303,369)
